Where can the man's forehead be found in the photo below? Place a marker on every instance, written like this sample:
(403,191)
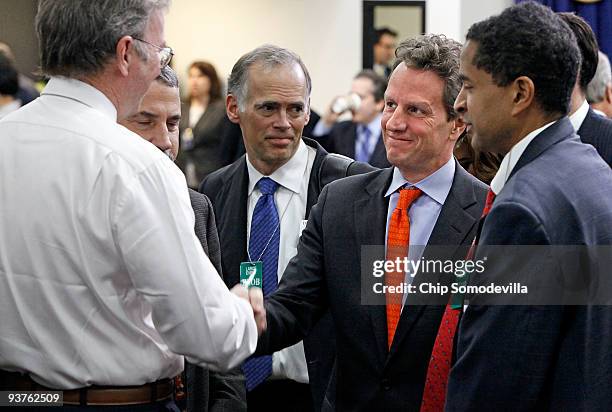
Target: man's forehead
(278,82)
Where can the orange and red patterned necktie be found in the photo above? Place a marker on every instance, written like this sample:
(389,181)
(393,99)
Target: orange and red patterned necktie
(398,240)
(434,394)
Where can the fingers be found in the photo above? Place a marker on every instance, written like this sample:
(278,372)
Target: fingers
(259,311)
(240,291)
(255,297)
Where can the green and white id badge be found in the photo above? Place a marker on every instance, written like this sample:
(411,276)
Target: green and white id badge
(251,274)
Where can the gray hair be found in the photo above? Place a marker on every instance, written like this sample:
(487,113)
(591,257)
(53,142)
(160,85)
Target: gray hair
(597,87)
(438,54)
(78,37)
(269,57)
(167,77)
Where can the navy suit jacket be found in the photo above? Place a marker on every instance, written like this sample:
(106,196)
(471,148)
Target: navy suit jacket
(596,130)
(341,139)
(326,274)
(532,358)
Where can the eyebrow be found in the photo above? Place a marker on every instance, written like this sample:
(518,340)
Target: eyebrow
(147,114)
(176,117)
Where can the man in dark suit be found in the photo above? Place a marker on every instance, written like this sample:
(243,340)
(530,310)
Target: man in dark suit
(157,121)
(268,97)
(551,190)
(592,128)
(359,138)
(382,356)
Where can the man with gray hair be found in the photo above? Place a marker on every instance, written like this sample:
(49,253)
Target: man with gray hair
(599,90)
(106,286)
(261,202)
(426,199)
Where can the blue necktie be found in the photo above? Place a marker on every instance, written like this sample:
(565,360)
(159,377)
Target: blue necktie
(362,154)
(263,245)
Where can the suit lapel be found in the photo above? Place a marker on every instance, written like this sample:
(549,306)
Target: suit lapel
(370,217)
(560,130)
(348,143)
(451,229)
(379,155)
(233,221)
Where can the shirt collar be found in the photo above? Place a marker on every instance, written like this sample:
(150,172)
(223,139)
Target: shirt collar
(437,185)
(289,175)
(374,126)
(579,115)
(81,92)
(512,158)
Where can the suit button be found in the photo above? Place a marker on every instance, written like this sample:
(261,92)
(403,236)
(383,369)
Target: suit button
(386,384)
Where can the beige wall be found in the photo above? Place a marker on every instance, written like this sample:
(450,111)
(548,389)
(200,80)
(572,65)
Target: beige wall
(326,33)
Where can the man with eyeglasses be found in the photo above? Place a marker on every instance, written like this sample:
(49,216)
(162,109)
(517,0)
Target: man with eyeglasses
(104,285)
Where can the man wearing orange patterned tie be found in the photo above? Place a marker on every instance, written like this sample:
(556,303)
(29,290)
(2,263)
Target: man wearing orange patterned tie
(426,198)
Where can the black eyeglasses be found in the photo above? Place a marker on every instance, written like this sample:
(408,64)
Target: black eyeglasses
(165,53)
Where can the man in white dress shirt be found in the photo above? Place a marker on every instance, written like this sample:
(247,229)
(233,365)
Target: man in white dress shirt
(102,279)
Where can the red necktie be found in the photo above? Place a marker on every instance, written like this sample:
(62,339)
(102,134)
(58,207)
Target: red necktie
(398,240)
(434,394)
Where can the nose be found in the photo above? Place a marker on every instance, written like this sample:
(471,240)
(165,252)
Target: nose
(460,103)
(162,138)
(281,120)
(393,122)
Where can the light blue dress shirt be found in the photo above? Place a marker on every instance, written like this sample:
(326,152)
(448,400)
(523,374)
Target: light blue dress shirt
(424,212)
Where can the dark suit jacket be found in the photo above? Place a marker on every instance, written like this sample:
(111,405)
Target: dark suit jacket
(341,139)
(227,189)
(206,390)
(205,148)
(596,130)
(532,358)
(326,273)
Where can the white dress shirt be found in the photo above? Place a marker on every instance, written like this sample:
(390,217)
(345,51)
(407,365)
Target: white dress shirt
(577,118)
(102,279)
(290,199)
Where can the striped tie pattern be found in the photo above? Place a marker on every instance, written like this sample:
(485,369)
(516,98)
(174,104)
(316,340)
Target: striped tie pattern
(264,242)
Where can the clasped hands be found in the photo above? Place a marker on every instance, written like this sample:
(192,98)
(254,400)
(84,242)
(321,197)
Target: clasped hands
(255,297)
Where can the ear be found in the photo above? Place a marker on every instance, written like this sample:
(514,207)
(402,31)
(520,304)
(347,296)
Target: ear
(123,54)
(458,128)
(523,94)
(231,107)
(307,112)
(608,93)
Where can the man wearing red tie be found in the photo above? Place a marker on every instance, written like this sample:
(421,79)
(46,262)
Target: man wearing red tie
(425,199)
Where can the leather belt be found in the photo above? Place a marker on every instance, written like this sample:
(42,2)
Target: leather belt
(160,390)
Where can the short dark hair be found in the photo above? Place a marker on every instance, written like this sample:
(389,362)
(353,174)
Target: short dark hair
(587,43)
(438,54)
(381,32)
(209,71)
(9,80)
(167,77)
(529,39)
(78,37)
(379,83)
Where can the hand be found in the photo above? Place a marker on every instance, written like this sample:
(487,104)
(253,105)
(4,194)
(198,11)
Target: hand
(255,297)
(330,117)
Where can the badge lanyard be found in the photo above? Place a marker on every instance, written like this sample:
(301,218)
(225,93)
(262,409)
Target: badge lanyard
(251,261)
